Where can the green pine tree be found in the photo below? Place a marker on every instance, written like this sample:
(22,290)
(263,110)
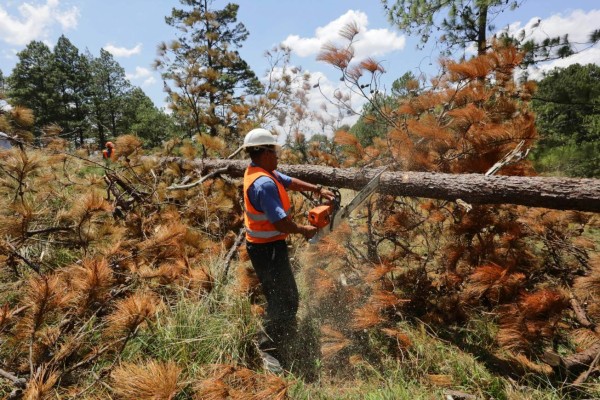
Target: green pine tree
(567,106)
(109,90)
(142,118)
(32,84)
(71,76)
(204,75)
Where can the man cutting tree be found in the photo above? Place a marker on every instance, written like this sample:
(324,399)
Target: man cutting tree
(268,223)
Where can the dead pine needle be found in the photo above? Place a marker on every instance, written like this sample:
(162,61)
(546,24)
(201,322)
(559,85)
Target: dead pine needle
(152,380)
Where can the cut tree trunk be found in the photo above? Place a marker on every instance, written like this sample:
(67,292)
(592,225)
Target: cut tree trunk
(580,194)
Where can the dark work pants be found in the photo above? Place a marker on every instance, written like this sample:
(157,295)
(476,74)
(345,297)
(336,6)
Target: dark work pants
(272,266)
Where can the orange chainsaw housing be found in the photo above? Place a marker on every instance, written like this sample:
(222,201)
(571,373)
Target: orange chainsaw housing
(320,216)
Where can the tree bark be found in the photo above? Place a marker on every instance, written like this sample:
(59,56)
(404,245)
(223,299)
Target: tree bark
(579,194)
(582,359)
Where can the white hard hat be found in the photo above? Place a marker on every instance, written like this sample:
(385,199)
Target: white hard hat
(259,137)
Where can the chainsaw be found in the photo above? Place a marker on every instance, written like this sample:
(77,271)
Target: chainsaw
(327,216)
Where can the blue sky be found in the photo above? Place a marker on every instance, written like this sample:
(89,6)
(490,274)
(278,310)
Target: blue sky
(131,30)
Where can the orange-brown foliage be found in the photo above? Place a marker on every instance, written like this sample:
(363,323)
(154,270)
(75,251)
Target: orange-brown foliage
(41,384)
(91,283)
(493,283)
(43,296)
(127,145)
(332,341)
(229,381)
(130,313)
(336,56)
(366,317)
(371,65)
(152,380)
(478,67)
(533,319)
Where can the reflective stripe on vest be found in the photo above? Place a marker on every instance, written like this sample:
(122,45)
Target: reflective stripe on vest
(263,234)
(256,217)
(258,227)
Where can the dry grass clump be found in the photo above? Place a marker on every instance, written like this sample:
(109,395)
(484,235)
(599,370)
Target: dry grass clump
(44,297)
(151,380)
(229,381)
(91,283)
(41,384)
(130,313)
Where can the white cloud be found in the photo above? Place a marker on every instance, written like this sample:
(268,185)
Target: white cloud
(35,22)
(140,72)
(369,42)
(578,25)
(123,51)
(144,74)
(149,81)
(590,56)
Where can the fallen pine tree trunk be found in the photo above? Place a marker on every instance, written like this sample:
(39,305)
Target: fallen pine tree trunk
(580,194)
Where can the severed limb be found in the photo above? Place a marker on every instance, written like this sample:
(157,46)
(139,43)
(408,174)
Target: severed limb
(199,181)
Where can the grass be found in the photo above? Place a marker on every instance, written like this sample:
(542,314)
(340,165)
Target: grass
(88,170)
(213,330)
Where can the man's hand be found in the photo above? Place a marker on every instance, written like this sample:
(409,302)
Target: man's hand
(288,226)
(327,194)
(309,231)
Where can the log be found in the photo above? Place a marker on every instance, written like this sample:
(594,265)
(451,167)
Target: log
(585,358)
(579,194)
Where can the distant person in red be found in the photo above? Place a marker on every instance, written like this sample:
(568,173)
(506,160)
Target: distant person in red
(109,152)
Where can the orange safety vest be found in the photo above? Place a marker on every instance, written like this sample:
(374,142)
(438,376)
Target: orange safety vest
(107,154)
(258,227)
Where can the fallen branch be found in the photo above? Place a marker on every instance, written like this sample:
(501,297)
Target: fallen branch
(236,244)
(585,374)
(50,230)
(18,382)
(16,253)
(199,181)
(580,359)
(94,355)
(129,189)
(580,313)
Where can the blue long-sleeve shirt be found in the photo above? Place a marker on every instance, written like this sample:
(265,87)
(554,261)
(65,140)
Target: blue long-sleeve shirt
(264,196)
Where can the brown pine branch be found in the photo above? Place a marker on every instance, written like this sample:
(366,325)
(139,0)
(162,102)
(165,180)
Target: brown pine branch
(50,230)
(18,382)
(129,189)
(27,262)
(199,181)
(236,244)
(579,359)
(585,374)
(98,353)
(580,313)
